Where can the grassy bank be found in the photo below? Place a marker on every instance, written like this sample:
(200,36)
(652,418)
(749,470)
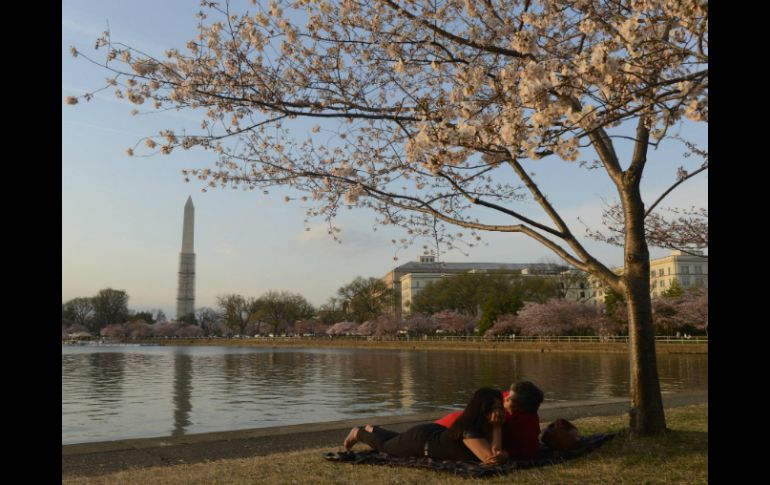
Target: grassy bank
(662,348)
(680,457)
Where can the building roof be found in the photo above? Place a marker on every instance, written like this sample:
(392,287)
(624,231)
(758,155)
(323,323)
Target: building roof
(439,267)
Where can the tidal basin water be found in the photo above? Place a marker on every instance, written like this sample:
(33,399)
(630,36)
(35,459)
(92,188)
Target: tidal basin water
(111,393)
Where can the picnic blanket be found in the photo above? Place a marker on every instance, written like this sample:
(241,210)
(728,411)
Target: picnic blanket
(546,456)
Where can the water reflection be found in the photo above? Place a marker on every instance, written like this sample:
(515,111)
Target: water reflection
(183,373)
(121,392)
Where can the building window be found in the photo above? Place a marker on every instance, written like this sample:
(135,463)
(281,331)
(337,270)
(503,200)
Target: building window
(654,284)
(660,272)
(684,269)
(669,270)
(685,281)
(652,274)
(582,294)
(698,269)
(699,282)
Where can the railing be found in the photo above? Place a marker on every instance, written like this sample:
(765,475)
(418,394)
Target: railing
(700,339)
(474,338)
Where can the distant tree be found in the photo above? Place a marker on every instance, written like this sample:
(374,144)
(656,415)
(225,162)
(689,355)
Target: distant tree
(282,309)
(665,315)
(675,290)
(160,316)
(237,311)
(454,322)
(342,328)
(383,325)
(419,324)
(114,331)
(138,329)
(365,298)
(309,326)
(537,288)
(79,311)
(497,303)
(686,311)
(77,328)
(615,311)
(206,317)
(164,329)
(558,317)
(462,293)
(146,317)
(189,330)
(110,306)
(694,308)
(504,325)
(332,311)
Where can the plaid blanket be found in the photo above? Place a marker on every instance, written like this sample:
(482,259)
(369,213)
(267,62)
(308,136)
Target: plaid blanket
(470,469)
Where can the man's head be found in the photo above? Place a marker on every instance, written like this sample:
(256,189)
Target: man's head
(524,395)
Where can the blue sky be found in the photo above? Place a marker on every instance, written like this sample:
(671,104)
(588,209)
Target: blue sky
(122,216)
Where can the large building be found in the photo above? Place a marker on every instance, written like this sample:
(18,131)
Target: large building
(410,278)
(687,270)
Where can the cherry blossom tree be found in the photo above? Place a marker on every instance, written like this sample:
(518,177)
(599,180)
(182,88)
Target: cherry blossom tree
(187,331)
(504,325)
(342,328)
(311,326)
(558,317)
(113,330)
(440,110)
(138,329)
(419,323)
(693,308)
(454,322)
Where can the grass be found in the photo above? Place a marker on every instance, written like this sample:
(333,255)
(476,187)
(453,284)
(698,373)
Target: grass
(680,456)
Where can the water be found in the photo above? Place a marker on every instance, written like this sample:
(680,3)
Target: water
(111,393)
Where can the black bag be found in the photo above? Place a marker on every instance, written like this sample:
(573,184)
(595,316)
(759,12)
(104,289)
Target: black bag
(561,435)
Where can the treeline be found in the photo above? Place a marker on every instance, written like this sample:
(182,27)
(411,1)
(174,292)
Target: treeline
(465,304)
(108,306)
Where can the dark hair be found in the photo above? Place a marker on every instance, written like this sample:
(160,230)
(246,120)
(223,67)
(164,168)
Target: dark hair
(527,396)
(475,415)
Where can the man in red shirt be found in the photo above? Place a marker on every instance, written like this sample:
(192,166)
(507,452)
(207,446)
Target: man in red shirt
(521,428)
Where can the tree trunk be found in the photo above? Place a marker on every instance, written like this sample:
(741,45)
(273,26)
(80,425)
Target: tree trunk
(646,411)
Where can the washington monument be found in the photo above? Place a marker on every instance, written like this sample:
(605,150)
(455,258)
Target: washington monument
(185,289)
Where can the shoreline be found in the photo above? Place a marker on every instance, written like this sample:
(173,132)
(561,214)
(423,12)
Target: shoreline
(100,458)
(493,346)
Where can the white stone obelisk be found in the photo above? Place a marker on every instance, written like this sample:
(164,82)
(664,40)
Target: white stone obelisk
(185,290)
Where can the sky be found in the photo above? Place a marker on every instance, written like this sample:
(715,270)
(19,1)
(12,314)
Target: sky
(122,216)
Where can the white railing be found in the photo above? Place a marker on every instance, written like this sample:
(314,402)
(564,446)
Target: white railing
(511,338)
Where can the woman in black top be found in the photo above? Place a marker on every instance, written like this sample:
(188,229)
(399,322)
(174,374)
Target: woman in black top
(475,436)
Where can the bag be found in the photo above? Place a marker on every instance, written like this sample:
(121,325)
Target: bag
(561,435)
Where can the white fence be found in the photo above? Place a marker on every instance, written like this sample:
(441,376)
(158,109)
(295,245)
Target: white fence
(511,338)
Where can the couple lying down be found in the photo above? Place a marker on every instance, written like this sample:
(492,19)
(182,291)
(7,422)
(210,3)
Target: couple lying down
(493,428)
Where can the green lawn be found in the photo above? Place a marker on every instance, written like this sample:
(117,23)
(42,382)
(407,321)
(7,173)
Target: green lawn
(680,456)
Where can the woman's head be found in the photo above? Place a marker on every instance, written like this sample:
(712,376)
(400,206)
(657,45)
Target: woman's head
(484,402)
(479,411)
